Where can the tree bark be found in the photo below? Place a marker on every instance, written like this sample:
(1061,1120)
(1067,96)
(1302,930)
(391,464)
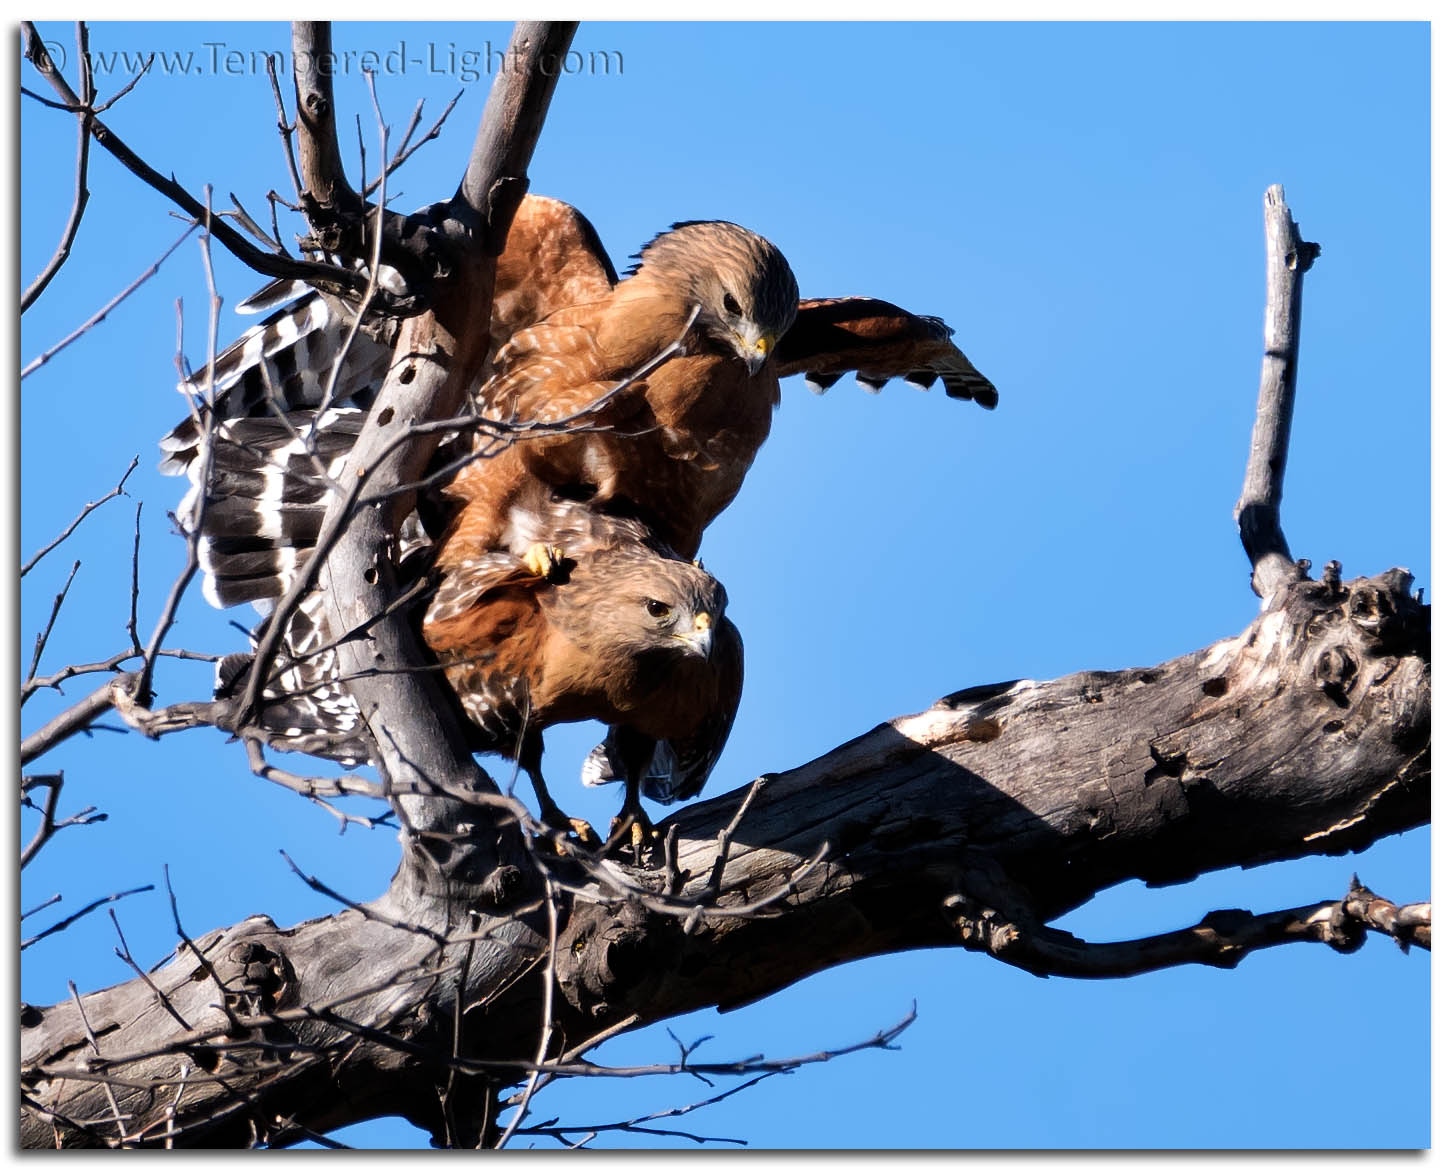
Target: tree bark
(970,824)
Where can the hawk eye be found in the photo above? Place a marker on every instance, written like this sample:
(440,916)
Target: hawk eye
(729,304)
(657,609)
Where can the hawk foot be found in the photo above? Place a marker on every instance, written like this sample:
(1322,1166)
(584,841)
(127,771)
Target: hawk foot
(634,825)
(542,559)
(580,829)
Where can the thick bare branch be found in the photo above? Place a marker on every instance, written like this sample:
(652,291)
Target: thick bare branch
(1221,939)
(73,720)
(1258,511)
(325,192)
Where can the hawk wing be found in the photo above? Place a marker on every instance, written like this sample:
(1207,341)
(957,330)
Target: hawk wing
(880,341)
(680,766)
(552,259)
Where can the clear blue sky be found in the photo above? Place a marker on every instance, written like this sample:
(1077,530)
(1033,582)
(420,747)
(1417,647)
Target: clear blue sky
(1083,203)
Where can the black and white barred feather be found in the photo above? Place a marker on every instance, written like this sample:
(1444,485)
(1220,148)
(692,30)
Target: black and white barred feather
(305,706)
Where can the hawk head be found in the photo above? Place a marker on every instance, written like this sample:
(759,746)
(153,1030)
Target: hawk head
(744,285)
(640,608)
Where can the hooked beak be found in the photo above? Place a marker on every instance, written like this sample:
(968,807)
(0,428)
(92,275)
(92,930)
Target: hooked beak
(698,641)
(755,350)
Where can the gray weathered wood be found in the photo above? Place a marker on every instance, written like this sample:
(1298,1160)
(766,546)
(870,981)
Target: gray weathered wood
(1258,511)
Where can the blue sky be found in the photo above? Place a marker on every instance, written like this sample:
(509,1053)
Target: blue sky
(1083,203)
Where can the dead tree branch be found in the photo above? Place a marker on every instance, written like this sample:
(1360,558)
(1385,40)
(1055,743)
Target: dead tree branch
(84,116)
(1258,511)
(328,277)
(76,523)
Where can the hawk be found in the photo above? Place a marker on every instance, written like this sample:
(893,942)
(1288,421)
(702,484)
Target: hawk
(666,442)
(576,615)
(670,448)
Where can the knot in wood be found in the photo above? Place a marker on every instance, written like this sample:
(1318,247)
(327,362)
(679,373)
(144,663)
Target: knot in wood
(257,978)
(1382,610)
(979,927)
(611,956)
(1335,673)
(501,887)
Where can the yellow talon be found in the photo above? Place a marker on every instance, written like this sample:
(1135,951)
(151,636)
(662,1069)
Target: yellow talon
(585,832)
(542,559)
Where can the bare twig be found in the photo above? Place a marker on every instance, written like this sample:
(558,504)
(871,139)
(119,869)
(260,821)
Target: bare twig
(285,130)
(240,214)
(637,1124)
(143,691)
(96,1048)
(123,952)
(35,52)
(404,151)
(206,964)
(51,901)
(86,511)
(81,913)
(112,665)
(44,636)
(372,915)
(1258,511)
(135,584)
(547,1013)
(100,315)
(373,259)
(49,826)
(129,86)
(332,278)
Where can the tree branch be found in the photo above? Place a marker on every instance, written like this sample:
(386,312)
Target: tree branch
(1222,939)
(1258,511)
(35,51)
(327,277)
(76,523)
(1029,797)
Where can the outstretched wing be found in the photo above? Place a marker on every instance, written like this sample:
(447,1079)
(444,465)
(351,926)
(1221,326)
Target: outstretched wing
(679,768)
(880,341)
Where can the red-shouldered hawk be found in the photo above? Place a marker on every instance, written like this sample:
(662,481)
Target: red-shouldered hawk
(576,615)
(667,448)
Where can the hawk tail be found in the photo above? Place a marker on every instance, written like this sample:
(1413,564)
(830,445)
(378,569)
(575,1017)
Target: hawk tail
(662,780)
(280,365)
(270,483)
(304,706)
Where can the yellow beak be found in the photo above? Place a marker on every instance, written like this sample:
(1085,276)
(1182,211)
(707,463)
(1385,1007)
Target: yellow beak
(699,640)
(756,352)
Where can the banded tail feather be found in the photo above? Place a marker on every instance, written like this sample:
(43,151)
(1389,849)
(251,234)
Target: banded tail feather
(280,366)
(270,485)
(304,707)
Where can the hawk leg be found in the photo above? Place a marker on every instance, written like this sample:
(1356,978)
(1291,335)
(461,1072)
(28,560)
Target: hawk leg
(530,759)
(632,822)
(636,752)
